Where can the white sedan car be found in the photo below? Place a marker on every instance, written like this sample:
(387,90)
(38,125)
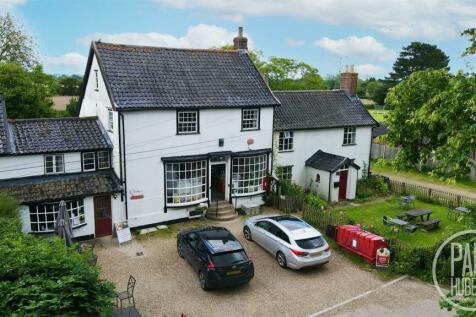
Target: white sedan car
(293,242)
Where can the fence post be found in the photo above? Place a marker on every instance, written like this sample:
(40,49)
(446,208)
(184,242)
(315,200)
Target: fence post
(429,193)
(458,199)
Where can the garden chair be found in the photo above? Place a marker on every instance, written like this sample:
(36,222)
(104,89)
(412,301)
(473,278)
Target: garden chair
(127,294)
(386,221)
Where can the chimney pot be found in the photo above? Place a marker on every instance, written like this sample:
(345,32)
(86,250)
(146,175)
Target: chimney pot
(240,42)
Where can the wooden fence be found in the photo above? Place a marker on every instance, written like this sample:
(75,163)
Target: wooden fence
(287,204)
(429,194)
(321,218)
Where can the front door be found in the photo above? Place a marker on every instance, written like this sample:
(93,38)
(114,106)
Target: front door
(343,184)
(218,183)
(102,215)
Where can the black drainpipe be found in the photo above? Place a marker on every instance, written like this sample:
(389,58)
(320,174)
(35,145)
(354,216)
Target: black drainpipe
(120,152)
(125,159)
(330,182)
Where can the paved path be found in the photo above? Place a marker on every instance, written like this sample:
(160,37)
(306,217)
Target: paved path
(444,188)
(167,285)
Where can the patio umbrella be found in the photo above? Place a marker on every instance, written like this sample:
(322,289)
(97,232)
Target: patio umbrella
(63,225)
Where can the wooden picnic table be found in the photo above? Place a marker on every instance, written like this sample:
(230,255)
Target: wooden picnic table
(415,213)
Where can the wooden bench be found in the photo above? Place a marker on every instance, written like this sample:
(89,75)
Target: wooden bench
(430,224)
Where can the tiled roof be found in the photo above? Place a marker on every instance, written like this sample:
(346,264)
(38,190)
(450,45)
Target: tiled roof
(140,77)
(380,130)
(319,109)
(4,142)
(328,162)
(64,186)
(58,135)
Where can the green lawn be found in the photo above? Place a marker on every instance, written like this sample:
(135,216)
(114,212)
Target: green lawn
(379,115)
(371,215)
(464,183)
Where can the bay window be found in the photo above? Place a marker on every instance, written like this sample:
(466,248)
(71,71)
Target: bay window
(43,216)
(186,182)
(248,174)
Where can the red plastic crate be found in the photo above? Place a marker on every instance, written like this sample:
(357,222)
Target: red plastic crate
(360,242)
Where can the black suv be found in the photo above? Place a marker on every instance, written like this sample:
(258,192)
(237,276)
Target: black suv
(216,255)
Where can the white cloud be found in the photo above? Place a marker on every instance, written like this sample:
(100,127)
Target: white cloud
(68,63)
(366,47)
(8,5)
(197,36)
(400,18)
(295,42)
(370,70)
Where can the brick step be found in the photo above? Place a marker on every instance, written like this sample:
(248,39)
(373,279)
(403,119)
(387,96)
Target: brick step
(221,218)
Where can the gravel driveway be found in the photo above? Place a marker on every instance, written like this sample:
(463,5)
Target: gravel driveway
(167,285)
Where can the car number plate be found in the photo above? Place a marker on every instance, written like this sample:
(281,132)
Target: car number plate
(316,254)
(233,273)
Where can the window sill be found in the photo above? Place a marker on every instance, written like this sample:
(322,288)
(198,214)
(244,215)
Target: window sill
(190,133)
(190,204)
(246,130)
(53,232)
(285,151)
(54,173)
(350,144)
(248,194)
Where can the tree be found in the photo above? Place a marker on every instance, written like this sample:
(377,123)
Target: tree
(415,57)
(377,91)
(27,92)
(72,108)
(471,35)
(69,85)
(434,114)
(16,46)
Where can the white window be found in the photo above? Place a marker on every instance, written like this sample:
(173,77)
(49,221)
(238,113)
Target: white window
(285,172)
(89,161)
(97,79)
(250,119)
(54,164)
(248,174)
(187,122)
(186,182)
(286,139)
(43,216)
(349,135)
(104,160)
(110,120)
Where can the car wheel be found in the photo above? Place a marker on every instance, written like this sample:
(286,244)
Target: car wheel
(281,259)
(203,280)
(179,248)
(247,233)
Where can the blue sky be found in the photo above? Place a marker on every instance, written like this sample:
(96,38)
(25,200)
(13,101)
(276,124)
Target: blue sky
(325,34)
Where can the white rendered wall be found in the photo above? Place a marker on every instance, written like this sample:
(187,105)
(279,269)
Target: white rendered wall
(15,166)
(308,142)
(151,135)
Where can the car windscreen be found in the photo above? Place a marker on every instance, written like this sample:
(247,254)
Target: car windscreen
(311,243)
(229,258)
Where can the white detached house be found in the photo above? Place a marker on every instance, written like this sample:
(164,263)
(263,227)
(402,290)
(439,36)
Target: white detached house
(322,139)
(188,126)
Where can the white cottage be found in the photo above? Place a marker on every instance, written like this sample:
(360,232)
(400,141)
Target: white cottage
(322,139)
(189,127)
(44,161)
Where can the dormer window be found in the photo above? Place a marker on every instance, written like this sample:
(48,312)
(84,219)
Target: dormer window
(187,122)
(250,119)
(54,163)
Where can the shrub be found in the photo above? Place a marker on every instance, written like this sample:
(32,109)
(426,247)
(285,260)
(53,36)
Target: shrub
(291,189)
(372,186)
(315,201)
(8,206)
(43,277)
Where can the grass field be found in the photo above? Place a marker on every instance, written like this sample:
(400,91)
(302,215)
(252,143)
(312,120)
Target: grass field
(371,215)
(379,115)
(461,183)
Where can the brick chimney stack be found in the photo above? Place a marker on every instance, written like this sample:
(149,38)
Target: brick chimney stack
(348,80)
(240,42)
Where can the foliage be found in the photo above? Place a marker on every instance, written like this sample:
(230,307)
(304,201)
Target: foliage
(16,45)
(416,57)
(315,201)
(471,35)
(372,186)
(8,206)
(377,91)
(69,85)
(290,189)
(72,108)
(435,112)
(27,92)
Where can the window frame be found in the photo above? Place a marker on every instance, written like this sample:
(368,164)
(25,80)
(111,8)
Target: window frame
(110,120)
(83,161)
(258,119)
(245,170)
(54,156)
(171,179)
(286,144)
(349,136)
(54,208)
(97,79)
(280,172)
(197,122)
(99,162)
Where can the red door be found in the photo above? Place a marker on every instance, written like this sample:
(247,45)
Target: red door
(102,215)
(343,185)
